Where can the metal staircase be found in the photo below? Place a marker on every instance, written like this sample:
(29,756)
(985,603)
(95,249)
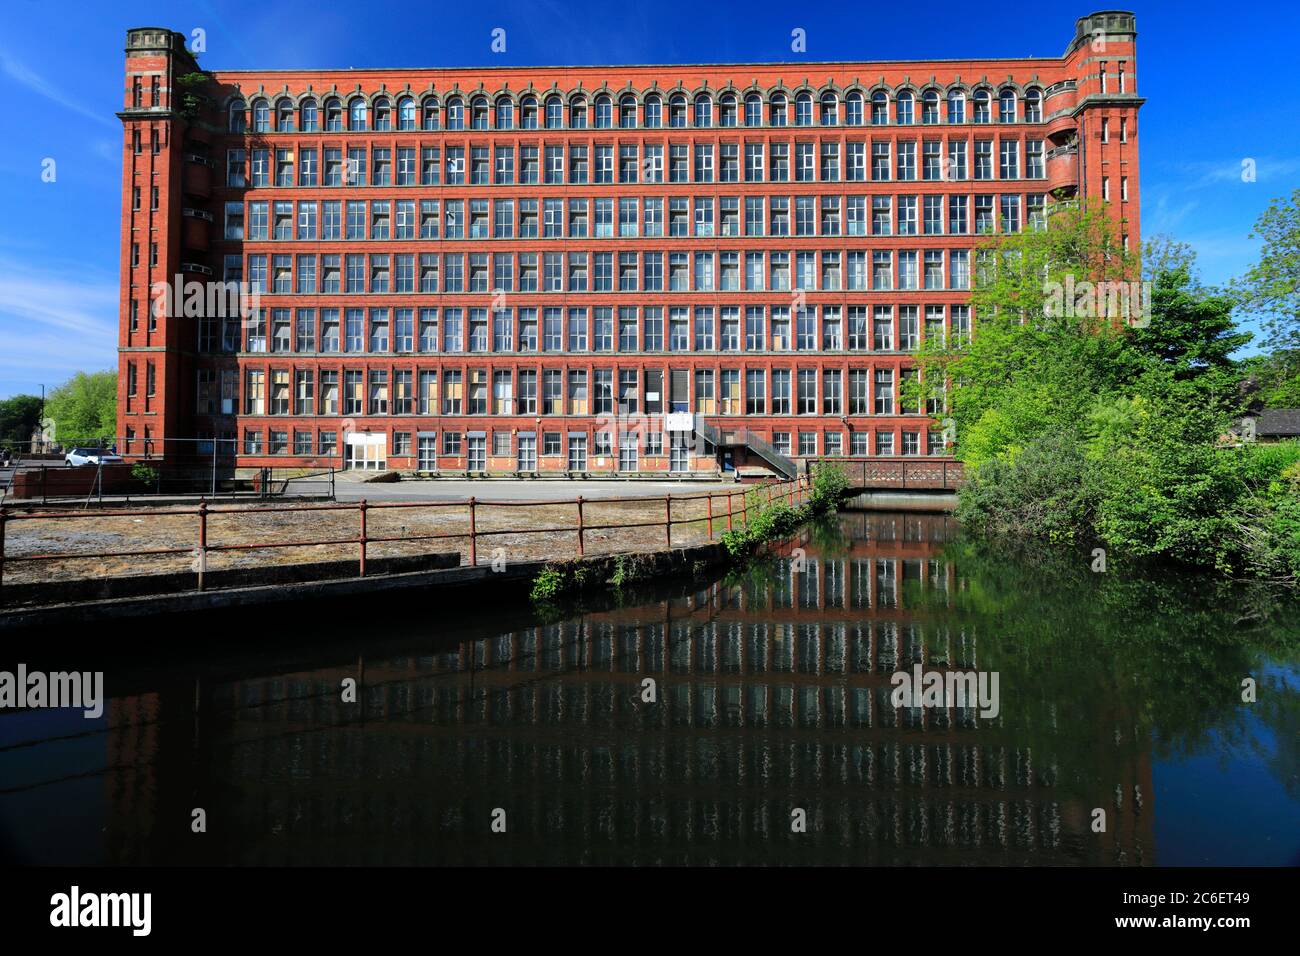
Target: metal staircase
(744,438)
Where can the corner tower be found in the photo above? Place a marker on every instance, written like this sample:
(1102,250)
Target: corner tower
(165,184)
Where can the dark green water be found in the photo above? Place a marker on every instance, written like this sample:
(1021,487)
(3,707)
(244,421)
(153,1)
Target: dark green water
(1118,691)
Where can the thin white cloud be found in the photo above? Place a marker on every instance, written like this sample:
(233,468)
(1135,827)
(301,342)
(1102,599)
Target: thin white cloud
(1220,172)
(21,74)
(1162,212)
(55,322)
(107,150)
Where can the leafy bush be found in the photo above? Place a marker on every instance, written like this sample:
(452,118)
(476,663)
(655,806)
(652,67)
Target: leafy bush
(1262,465)
(628,569)
(548,585)
(1270,538)
(1048,490)
(829,486)
(1171,500)
(769,522)
(144,474)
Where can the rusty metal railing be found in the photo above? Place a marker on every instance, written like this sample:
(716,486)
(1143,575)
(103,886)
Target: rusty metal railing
(793,490)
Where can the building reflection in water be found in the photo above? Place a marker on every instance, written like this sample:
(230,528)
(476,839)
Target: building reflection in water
(773,694)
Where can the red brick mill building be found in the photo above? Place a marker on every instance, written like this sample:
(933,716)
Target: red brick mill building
(597,269)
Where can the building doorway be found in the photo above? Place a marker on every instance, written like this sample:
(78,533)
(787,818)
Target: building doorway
(679,452)
(365,451)
(627,452)
(476,453)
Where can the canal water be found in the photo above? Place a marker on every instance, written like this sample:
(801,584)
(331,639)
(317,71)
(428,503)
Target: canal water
(750,719)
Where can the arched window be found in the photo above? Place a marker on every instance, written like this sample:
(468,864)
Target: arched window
(983,107)
(627,112)
(904,105)
(261,116)
(803,109)
(1033,105)
(406,119)
(284,115)
(578,113)
(654,111)
(930,107)
(357,114)
(455,113)
(879,108)
(677,111)
(309,116)
(238,116)
(830,109)
(528,113)
(478,113)
(753,110)
(727,110)
(703,110)
(853,112)
(1007,105)
(603,110)
(505,118)
(779,109)
(431,111)
(333,115)
(383,114)
(554,112)
(956,106)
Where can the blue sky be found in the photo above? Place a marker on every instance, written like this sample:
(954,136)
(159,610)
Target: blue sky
(1217,90)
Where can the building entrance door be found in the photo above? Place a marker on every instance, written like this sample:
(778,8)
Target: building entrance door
(364,451)
(678,452)
(476,453)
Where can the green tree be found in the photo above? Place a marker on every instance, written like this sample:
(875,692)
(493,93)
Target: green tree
(19,417)
(1082,425)
(84,408)
(1194,332)
(1276,377)
(1271,287)
(1040,352)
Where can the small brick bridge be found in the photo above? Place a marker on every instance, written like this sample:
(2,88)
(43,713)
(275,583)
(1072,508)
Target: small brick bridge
(896,474)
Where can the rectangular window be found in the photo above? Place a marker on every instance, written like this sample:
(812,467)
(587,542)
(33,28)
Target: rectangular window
(884,393)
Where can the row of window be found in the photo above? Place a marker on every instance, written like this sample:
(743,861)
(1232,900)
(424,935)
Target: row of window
(827,161)
(882,214)
(628,111)
(561,391)
(576,449)
(607,329)
(606,272)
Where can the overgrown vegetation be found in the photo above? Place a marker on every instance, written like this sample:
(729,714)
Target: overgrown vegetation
(195,93)
(548,585)
(563,579)
(769,522)
(560,579)
(146,475)
(629,569)
(1076,425)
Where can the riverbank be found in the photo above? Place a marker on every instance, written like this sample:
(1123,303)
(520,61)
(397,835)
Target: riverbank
(503,582)
(766,519)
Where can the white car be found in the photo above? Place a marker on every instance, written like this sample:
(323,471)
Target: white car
(90,456)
